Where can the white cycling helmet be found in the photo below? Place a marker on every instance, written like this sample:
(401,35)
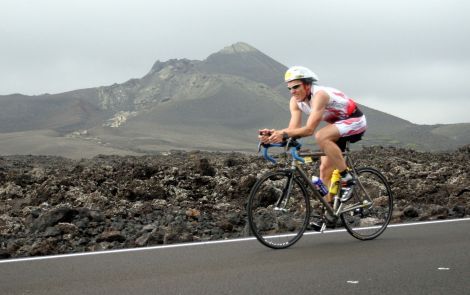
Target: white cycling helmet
(300,73)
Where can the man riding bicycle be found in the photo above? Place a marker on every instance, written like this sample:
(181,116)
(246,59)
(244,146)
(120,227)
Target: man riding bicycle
(345,122)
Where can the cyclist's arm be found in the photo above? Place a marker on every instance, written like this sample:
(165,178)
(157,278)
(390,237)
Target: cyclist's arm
(319,103)
(294,123)
(295,116)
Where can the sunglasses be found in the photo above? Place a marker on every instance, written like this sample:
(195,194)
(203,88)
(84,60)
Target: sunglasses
(295,87)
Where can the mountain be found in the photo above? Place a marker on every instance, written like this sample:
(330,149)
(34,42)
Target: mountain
(243,60)
(215,104)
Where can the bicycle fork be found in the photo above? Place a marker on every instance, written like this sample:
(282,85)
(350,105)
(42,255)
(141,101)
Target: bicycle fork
(281,203)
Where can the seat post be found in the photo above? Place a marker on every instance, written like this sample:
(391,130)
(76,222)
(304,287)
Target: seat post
(347,146)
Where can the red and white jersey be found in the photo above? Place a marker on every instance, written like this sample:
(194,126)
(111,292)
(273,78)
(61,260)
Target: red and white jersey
(340,111)
(339,106)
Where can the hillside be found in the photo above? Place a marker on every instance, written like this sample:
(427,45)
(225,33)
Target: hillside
(215,104)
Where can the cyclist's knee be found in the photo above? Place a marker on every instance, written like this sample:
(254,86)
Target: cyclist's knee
(320,138)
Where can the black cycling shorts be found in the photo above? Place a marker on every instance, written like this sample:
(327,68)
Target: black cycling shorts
(352,138)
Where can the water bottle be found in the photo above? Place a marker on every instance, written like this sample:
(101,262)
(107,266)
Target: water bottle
(335,178)
(319,185)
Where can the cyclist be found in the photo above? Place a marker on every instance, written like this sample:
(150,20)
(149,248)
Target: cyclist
(344,121)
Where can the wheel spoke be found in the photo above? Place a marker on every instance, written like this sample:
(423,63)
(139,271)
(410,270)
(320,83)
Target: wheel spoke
(278,209)
(373,203)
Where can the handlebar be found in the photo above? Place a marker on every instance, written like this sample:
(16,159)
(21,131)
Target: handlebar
(292,145)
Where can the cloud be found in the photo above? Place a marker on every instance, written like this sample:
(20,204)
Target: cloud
(372,48)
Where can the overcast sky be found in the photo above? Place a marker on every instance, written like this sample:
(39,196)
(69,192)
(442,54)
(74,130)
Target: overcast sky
(409,58)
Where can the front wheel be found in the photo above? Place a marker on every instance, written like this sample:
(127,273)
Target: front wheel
(372,201)
(278,209)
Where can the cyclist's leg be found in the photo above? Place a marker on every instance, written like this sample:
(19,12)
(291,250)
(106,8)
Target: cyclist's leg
(326,170)
(326,139)
(351,130)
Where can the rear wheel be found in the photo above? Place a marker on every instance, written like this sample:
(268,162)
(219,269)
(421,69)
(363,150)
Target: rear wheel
(278,209)
(370,221)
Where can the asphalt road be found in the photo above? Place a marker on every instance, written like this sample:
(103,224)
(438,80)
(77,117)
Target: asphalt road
(430,258)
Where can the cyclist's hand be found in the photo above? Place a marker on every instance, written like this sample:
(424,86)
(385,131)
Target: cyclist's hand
(264,135)
(276,136)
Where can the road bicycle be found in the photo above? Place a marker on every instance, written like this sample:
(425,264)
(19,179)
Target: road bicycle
(279,209)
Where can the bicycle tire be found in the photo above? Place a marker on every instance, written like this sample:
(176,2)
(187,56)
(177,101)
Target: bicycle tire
(370,222)
(282,227)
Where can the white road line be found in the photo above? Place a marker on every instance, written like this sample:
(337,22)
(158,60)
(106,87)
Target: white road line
(352,282)
(127,250)
(26,259)
(429,222)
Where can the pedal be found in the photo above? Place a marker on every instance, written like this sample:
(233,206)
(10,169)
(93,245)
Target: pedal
(317,226)
(358,211)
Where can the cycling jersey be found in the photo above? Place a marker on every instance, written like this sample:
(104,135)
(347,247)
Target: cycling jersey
(340,111)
